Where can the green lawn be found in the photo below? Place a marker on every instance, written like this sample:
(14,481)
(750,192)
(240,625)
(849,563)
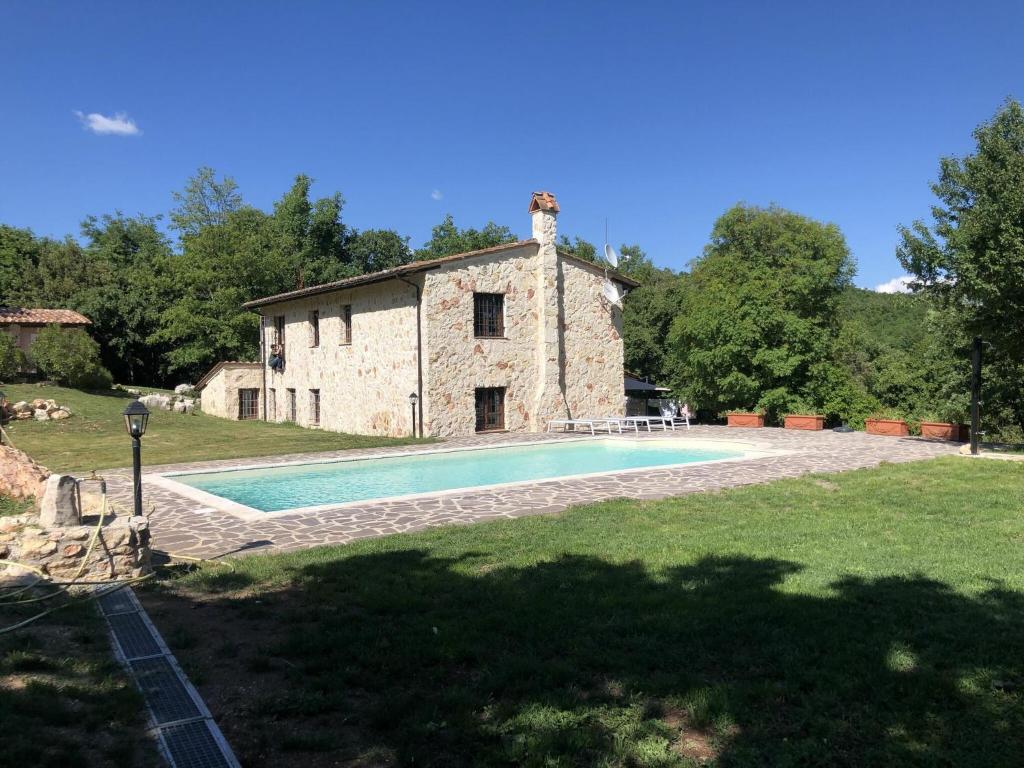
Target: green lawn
(868,618)
(63,699)
(95,437)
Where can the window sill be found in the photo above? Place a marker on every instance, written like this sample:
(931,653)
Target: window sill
(491,431)
(493,338)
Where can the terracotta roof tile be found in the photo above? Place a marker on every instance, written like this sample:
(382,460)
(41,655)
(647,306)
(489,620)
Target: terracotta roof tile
(543,201)
(43,316)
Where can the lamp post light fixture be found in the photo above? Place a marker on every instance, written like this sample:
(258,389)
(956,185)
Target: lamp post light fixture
(136,417)
(413,400)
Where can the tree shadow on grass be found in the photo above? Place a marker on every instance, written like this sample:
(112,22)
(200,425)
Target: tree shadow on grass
(432,661)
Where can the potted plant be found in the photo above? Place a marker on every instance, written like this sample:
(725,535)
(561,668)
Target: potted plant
(745,419)
(803,417)
(888,423)
(945,424)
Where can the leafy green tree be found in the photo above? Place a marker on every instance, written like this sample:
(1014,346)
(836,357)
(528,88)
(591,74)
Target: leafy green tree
(12,359)
(312,235)
(579,248)
(970,261)
(375,249)
(71,357)
(759,312)
(204,202)
(446,239)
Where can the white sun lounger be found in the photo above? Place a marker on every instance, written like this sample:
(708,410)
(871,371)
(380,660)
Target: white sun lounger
(592,424)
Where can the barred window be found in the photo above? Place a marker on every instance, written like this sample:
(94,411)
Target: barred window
(279,330)
(489,314)
(314,328)
(248,403)
(291,404)
(314,406)
(272,404)
(346,324)
(490,408)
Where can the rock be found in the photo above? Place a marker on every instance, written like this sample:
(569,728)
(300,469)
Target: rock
(42,415)
(184,389)
(156,401)
(184,406)
(133,391)
(22,407)
(73,550)
(20,476)
(38,403)
(50,404)
(965,449)
(60,414)
(59,506)
(22,415)
(37,547)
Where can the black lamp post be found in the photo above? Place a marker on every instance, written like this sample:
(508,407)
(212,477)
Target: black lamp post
(135,419)
(413,400)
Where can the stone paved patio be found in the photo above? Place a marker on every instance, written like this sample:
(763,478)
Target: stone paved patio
(185,526)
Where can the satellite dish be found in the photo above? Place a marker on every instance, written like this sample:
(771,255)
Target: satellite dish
(612,292)
(610,255)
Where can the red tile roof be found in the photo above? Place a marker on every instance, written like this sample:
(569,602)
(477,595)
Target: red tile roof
(222,365)
(25,316)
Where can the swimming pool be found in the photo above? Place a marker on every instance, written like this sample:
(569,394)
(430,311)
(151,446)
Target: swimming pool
(340,482)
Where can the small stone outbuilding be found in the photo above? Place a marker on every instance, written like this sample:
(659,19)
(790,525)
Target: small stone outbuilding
(23,324)
(231,390)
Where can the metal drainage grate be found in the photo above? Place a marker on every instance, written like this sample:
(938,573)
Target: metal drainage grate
(168,699)
(118,601)
(192,745)
(186,733)
(133,635)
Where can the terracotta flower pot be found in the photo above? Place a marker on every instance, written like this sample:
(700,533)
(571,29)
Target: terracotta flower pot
(746,420)
(888,427)
(940,430)
(803,421)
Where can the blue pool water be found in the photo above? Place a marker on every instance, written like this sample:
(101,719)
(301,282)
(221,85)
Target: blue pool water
(306,485)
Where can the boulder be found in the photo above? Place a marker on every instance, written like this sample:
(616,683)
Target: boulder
(59,414)
(156,402)
(21,407)
(38,403)
(22,415)
(42,415)
(20,476)
(184,389)
(59,505)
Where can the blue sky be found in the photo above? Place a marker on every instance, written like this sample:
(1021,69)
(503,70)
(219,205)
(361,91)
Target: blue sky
(657,115)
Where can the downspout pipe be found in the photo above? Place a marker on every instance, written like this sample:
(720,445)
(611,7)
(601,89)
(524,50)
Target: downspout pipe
(419,348)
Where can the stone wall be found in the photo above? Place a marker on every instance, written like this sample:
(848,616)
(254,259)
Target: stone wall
(121,549)
(220,393)
(365,385)
(457,362)
(592,343)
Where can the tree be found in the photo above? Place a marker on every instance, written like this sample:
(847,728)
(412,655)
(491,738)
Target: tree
(204,202)
(375,249)
(12,359)
(757,318)
(70,357)
(971,260)
(312,235)
(446,239)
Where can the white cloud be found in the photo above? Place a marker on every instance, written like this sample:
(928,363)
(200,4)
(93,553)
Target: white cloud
(896,285)
(437,194)
(118,125)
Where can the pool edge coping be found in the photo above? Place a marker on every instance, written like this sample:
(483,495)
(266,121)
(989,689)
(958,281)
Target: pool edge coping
(751,450)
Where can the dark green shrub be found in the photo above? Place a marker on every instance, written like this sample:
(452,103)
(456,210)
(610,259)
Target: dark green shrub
(70,357)
(12,359)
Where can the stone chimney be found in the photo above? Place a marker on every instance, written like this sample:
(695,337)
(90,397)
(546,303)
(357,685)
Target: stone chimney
(549,402)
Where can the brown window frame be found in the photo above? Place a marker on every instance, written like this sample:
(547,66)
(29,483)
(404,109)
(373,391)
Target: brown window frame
(248,404)
(489,410)
(314,328)
(314,407)
(272,402)
(346,324)
(279,325)
(290,410)
(489,315)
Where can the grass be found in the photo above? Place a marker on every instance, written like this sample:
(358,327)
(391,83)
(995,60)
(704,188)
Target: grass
(63,700)
(10,507)
(95,438)
(868,618)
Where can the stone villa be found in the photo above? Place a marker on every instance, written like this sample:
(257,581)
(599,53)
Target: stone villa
(503,338)
(24,324)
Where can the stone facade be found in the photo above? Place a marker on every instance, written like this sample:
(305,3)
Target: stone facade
(220,388)
(560,355)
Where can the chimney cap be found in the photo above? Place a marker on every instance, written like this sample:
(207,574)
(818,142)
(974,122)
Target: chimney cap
(543,201)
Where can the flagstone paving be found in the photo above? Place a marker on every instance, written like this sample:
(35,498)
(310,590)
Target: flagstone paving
(185,526)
